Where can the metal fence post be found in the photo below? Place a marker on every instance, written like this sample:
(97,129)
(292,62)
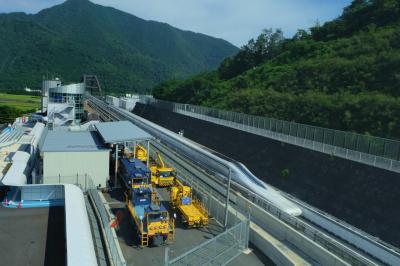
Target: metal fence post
(228,188)
(116,165)
(247,231)
(166,256)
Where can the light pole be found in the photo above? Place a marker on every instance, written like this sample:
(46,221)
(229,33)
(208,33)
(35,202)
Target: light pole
(228,189)
(116,163)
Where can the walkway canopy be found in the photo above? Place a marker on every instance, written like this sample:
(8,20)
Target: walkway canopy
(121,132)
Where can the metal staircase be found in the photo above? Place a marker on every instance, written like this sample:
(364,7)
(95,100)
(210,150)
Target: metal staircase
(144,241)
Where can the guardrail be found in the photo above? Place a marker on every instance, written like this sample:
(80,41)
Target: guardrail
(379,152)
(111,238)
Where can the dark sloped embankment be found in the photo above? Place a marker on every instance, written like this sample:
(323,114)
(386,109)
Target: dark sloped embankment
(365,197)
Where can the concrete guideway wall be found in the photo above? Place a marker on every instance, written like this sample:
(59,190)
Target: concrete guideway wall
(285,233)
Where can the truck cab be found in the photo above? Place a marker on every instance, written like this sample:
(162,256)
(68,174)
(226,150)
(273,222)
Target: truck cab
(157,219)
(161,175)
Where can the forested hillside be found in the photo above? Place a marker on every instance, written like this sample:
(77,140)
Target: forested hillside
(79,37)
(344,74)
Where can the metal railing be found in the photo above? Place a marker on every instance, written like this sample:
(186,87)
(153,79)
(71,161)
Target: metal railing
(84,182)
(111,238)
(37,192)
(219,250)
(379,152)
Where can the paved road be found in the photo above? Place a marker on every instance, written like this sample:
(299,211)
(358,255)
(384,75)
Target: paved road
(185,239)
(33,236)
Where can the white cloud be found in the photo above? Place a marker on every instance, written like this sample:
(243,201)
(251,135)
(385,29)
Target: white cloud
(234,20)
(29,6)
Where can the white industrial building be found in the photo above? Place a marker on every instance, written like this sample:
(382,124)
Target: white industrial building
(74,157)
(128,103)
(46,85)
(65,104)
(112,100)
(61,114)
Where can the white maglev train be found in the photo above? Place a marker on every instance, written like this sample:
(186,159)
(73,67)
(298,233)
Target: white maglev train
(239,172)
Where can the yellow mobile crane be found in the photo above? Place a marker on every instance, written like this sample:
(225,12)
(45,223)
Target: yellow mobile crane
(160,174)
(194,214)
(141,153)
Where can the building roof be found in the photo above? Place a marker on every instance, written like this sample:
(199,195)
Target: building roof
(70,141)
(121,131)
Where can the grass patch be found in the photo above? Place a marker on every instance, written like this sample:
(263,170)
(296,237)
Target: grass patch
(24,103)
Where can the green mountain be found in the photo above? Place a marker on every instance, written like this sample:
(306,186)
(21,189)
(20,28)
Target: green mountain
(126,52)
(344,74)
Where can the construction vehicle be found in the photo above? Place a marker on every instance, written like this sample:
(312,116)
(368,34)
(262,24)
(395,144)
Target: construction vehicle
(134,173)
(137,151)
(153,224)
(160,174)
(152,221)
(193,213)
(141,153)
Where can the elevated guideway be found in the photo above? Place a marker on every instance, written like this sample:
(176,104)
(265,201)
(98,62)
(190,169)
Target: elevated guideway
(314,236)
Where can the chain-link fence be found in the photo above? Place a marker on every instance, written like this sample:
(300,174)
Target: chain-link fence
(219,250)
(111,237)
(380,152)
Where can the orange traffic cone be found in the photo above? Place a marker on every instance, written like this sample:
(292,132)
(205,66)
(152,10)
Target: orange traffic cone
(19,205)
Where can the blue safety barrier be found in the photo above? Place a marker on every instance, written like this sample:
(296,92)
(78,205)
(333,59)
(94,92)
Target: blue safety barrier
(33,204)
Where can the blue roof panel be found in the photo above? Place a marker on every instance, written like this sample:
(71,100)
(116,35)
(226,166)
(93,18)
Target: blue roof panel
(70,141)
(121,131)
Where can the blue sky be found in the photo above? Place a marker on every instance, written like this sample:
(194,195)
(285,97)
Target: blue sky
(234,20)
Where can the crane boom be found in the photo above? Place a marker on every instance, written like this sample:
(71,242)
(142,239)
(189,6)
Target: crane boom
(160,160)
